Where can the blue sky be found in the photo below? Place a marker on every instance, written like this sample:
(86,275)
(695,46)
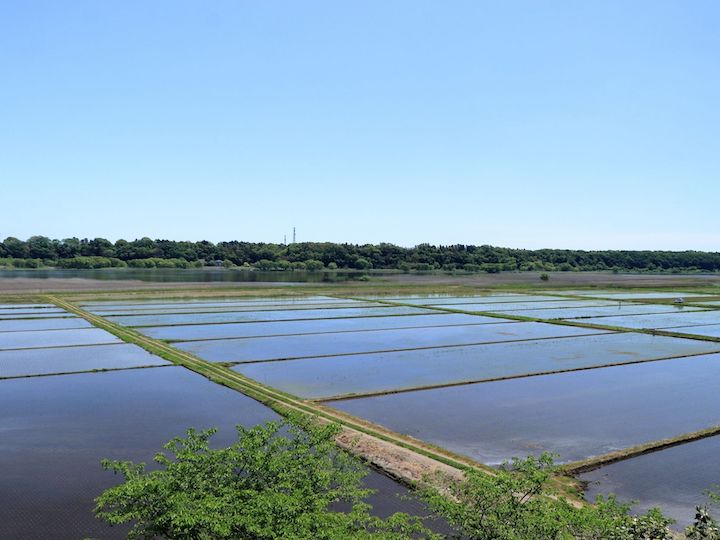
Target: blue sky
(571,124)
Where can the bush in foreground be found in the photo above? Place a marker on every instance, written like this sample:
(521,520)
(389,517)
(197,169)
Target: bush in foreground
(516,502)
(283,480)
(276,481)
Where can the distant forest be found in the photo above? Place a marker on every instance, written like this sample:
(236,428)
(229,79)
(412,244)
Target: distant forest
(40,251)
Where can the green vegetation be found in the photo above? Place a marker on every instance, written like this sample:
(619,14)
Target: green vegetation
(280,480)
(74,253)
(517,503)
(285,479)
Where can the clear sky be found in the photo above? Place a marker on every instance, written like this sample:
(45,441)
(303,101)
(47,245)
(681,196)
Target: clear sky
(578,124)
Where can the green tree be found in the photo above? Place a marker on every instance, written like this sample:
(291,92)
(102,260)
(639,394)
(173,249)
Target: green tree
(313,265)
(516,502)
(15,248)
(705,527)
(362,264)
(279,480)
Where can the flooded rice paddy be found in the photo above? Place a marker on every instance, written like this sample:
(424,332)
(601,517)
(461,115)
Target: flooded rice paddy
(511,307)
(309,345)
(35,315)
(55,338)
(56,429)
(24,325)
(601,313)
(38,312)
(367,373)
(457,300)
(576,415)
(320,347)
(317,326)
(231,309)
(266,316)
(27,362)
(673,479)
(670,320)
(282,301)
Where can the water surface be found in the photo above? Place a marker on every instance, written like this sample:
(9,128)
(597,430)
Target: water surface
(673,479)
(268,348)
(375,372)
(55,338)
(662,320)
(184,308)
(603,313)
(577,415)
(540,307)
(71,359)
(55,430)
(175,275)
(260,316)
(215,302)
(39,312)
(20,325)
(282,328)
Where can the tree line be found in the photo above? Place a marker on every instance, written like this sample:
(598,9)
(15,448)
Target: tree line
(145,252)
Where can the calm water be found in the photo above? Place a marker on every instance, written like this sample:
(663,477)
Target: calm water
(152,306)
(673,479)
(268,348)
(603,312)
(20,325)
(169,302)
(55,338)
(261,316)
(38,312)
(55,431)
(711,330)
(576,415)
(26,306)
(663,320)
(189,274)
(233,309)
(636,295)
(70,359)
(326,377)
(511,307)
(427,300)
(284,328)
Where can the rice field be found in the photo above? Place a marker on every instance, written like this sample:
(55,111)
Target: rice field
(460,372)
(72,397)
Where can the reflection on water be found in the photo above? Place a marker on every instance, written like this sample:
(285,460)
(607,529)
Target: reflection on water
(55,430)
(189,274)
(576,415)
(673,479)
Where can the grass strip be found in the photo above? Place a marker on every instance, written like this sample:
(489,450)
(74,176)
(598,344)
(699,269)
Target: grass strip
(344,397)
(578,467)
(94,370)
(407,349)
